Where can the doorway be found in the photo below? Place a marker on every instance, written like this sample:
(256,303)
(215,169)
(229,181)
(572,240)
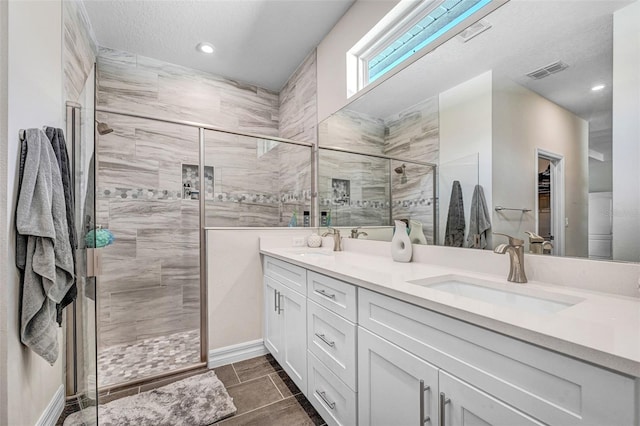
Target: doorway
(549,200)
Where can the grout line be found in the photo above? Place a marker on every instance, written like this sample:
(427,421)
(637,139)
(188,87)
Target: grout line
(236,373)
(255,409)
(277,388)
(246,381)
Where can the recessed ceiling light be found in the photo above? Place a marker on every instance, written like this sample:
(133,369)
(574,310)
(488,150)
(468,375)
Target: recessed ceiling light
(205,48)
(598,87)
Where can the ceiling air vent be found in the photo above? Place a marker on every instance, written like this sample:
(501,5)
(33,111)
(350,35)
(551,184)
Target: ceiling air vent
(548,70)
(473,30)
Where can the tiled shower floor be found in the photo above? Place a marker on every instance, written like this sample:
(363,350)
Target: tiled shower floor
(123,363)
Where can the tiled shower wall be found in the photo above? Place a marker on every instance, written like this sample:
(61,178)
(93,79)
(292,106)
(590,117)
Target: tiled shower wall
(150,282)
(298,121)
(298,103)
(79,48)
(256,185)
(132,83)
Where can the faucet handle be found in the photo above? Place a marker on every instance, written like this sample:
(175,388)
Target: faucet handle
(512,240)
(333,230)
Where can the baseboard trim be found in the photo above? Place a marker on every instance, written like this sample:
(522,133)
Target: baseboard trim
(235,353)
(53,411)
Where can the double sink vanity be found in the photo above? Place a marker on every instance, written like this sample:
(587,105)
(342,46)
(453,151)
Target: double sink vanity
(371,341)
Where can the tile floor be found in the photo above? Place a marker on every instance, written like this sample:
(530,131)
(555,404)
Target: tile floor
(262,392)
(123,363)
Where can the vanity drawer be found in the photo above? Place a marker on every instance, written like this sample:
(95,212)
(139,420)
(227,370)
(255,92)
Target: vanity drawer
(551,387)
(335,295)
(290,275)
(332,339)
(335,402)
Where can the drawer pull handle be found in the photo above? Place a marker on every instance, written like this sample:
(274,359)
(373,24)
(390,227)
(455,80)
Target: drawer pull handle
(443,401)
(323,396)
(423,389)
(324,339)
(325,294)
(280,309)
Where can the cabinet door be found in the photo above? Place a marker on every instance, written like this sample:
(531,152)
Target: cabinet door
(294,328)
(468,406)
(394,386)
(272,319)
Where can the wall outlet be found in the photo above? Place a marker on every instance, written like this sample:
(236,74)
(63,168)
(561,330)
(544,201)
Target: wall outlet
(298,241)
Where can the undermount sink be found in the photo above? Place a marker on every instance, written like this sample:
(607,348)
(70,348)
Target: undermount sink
(302,251)
(532,300)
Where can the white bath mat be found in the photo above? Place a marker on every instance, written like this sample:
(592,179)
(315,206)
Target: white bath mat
(195,401)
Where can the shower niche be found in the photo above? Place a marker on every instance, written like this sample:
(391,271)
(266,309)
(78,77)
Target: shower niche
(191,188)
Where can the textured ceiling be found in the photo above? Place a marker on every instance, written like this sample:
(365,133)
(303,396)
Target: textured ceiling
(257,41)
(525,36)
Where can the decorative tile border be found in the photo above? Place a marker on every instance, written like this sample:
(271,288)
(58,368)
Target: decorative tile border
(247,197)
(138,194)
(377,204)
(366,204)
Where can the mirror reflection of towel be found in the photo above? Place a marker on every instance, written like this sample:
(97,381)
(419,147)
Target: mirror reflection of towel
(454,233)
(480,221)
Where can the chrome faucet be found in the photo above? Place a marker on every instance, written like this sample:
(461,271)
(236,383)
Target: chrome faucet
(337,240)
(355,233)
(515,248)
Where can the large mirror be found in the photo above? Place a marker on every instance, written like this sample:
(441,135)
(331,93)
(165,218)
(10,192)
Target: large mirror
(544,98)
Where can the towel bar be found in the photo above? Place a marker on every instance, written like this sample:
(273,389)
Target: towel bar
(500,208)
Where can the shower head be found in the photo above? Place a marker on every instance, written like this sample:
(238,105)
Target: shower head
(402,170)
(103,128)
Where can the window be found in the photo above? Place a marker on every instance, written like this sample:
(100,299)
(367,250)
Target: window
(408,28)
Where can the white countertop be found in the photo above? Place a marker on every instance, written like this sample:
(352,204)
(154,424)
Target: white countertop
(602,329)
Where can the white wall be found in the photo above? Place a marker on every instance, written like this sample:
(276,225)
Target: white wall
(626,133)
(522,122)
(600,175)
(34,99)
(465,143)
(332,52)
(234,282)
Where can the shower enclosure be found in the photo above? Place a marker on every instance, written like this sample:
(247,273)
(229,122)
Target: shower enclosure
(158,184)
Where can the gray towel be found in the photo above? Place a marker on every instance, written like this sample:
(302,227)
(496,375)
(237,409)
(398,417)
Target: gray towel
(56,137)
(480,221)
(454,233)
(47,273)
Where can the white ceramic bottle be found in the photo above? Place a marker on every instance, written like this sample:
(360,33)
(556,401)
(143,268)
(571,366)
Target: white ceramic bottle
(401,249)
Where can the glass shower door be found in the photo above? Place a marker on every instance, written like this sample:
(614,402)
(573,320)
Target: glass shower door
(149,283)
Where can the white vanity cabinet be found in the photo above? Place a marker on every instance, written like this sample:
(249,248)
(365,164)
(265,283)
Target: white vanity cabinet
(495,378)
(461,404)
(364,358)
(285,321)
(396,387)
(331,343)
